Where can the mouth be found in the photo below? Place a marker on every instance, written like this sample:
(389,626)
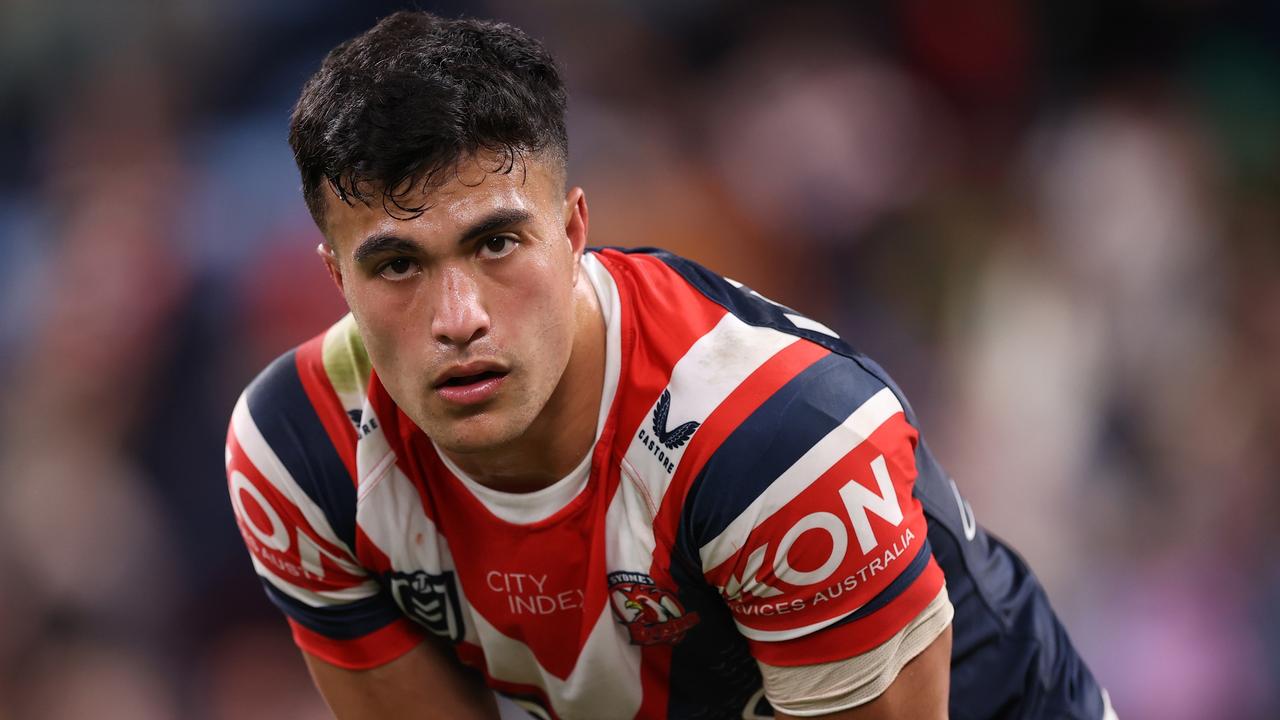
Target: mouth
(464,380)
(470,385)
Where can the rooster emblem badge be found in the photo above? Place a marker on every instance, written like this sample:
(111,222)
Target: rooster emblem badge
(652,614)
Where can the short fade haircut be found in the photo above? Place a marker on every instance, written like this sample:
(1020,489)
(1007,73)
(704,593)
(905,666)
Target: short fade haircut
(394,110)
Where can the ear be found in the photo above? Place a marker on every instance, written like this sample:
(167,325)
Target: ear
(575,224)
(331,264)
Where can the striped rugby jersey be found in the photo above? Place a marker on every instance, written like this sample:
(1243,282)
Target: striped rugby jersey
(757,491)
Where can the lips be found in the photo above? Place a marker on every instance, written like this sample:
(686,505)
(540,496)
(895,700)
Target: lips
(470,384)
(460,380)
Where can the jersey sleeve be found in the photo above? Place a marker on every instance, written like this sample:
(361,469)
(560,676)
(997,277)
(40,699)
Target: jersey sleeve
(294,503)
(817,544)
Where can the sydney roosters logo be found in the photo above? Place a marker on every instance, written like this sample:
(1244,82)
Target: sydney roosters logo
(652,614)
(677,436)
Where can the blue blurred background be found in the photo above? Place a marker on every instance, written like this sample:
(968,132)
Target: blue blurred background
(1057,224)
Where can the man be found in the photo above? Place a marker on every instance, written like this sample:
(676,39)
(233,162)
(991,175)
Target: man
(601,483)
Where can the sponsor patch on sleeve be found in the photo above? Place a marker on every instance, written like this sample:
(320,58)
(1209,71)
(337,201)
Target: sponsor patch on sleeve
(822,545)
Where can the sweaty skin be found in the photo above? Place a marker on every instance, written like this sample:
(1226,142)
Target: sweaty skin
(486,284)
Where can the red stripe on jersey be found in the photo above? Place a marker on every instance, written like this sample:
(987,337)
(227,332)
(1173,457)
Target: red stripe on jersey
(277,547)
(411,446)
(473,656)
(397,428)
(369,651)
(371,557)
(526,561)
(655,680)
(537,583)
(820,518)
(652,294)
(759,386)
(845,641)
(447,491)
(470,654)
(315,381)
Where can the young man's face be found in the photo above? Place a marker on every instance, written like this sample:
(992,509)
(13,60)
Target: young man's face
(467,310)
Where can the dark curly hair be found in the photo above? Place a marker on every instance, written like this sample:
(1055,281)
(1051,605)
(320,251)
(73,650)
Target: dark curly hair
(392,111)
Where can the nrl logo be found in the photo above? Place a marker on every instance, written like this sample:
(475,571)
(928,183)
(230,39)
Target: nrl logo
(652,614)
(431,600)
(677,436)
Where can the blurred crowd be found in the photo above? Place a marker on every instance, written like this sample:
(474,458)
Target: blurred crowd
(1056,224)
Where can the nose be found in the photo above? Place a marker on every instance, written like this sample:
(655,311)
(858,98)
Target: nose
(460,317)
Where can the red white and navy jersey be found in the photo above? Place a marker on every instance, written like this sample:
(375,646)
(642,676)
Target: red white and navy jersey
(757,492)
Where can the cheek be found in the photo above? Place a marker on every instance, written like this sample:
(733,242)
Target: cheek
(547,305)
(386,335)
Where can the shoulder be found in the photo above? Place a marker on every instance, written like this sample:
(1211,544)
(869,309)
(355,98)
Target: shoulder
(676,285)
(791,379)
(318,385)
(773,393)
(291,472)
(332,362)
(804,515)
(793,459)
(294,429)
(781,403)
(833,417)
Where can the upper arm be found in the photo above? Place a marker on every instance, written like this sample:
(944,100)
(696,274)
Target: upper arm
(920,690)
(906,677)
(421,684)
(294,504)
(827,558)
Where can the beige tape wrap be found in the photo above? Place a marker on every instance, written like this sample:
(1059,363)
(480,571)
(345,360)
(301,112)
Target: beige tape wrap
(811,690)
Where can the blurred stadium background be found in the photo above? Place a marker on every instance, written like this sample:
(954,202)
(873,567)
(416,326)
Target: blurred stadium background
(1056,223)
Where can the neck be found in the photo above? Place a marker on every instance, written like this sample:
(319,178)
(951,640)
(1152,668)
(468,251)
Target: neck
(564,432)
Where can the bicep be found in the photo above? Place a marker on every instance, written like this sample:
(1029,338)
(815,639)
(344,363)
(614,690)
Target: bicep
(829,568)
(426,682)
(920,690)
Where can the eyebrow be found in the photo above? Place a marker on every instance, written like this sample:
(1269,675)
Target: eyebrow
(380,243)
(390,242)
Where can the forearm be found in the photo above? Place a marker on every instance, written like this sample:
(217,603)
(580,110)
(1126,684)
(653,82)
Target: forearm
(423,684)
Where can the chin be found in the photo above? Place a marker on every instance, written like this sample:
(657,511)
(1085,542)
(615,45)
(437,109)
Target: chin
(472,435)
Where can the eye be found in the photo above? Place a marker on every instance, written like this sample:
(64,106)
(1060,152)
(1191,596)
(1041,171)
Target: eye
(497,246)
(398,269)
